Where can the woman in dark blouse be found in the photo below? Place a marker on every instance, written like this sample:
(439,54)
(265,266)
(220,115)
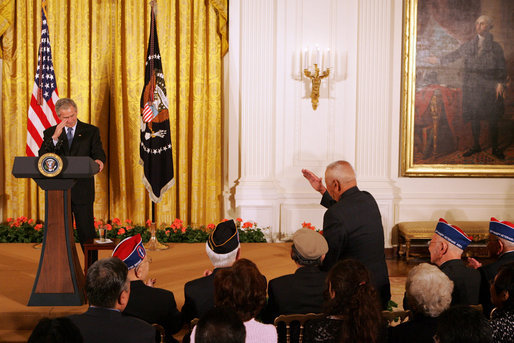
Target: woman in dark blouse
(352,310)
(502,296)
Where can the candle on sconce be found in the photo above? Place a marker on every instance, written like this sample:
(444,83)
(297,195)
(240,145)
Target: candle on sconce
(305,59)
(328,65)
(318,59)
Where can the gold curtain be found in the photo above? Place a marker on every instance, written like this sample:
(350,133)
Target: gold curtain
(99,49)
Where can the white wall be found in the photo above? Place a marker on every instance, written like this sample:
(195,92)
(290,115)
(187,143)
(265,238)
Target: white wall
(272,132)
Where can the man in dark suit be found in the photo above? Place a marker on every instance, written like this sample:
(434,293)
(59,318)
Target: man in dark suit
(301,292)
(352,224)
(223,250)
(446,247)
(146,302)
(501,244)
(483,83)
(108,292)
(72,137)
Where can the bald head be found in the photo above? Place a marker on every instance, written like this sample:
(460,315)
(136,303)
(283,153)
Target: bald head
(339,177)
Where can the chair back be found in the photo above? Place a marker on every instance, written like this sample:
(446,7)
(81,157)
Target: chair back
(393,316)
(160,329)
(287,319)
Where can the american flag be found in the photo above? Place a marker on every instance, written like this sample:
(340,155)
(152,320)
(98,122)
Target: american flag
(44,93)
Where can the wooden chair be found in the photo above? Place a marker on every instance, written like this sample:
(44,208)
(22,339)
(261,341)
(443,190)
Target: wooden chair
(287,319)
(193,323)
(393,316)
(477,307)
(161,331)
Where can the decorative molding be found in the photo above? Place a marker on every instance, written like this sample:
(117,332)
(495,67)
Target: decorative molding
(293,215)
(374,91)
(257,70)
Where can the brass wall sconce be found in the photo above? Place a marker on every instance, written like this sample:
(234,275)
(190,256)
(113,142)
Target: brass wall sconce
(316,78)
(319,71)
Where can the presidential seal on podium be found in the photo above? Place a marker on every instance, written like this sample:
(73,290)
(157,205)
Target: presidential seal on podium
(50,164)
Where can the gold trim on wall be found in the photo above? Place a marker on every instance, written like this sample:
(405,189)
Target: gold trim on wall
(408,167)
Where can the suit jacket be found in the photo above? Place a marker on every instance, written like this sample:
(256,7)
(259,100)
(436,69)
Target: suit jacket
(483,70)
(466,282)
(352,227)
(154,305)
(487,273)
(301,292)
(199,297)
(106,325)
(86,142)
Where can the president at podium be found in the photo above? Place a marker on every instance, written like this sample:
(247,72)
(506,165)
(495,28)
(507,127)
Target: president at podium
(72,137)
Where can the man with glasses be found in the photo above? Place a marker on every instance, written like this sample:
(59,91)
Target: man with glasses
(446,247)
(153,305)
(501,244)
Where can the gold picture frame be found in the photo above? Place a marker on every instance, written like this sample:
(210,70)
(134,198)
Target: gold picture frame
(436,129)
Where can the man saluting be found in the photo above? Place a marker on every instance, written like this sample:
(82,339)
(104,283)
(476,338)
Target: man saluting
(71,137)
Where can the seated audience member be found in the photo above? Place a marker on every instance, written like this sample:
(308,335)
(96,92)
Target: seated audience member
(223,249)
(462,324)
(243,289)
(220,325)
(108,291)
(153,305)
(352,312)
(502,296)
(301,292)
(55,330)
(501,244)
(428,293)
(446,247)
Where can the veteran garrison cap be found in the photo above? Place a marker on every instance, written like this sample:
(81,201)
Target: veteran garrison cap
(452,234)
(310,244)
(131,251)
(503,229)
(224,238)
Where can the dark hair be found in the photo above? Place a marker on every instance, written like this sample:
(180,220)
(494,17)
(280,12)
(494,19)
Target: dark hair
(64,103)
(463,324)
(220,325)
(504,281)
(55,330)
(355,301)
(298,258)
(242,288)
(105,280)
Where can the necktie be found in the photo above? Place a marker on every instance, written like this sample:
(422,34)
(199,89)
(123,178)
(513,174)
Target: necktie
(70,136)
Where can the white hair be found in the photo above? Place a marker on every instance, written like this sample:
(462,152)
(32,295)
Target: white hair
(487,19)
(221,260)
(428,289)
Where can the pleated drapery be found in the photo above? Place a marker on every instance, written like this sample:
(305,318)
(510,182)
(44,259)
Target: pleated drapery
(99,50)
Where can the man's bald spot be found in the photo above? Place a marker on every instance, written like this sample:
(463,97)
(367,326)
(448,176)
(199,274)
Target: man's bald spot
(341,171)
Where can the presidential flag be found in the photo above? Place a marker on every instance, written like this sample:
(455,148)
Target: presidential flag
(44,93)
(155,150)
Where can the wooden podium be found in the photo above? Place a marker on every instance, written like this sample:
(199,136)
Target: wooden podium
(59,280)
